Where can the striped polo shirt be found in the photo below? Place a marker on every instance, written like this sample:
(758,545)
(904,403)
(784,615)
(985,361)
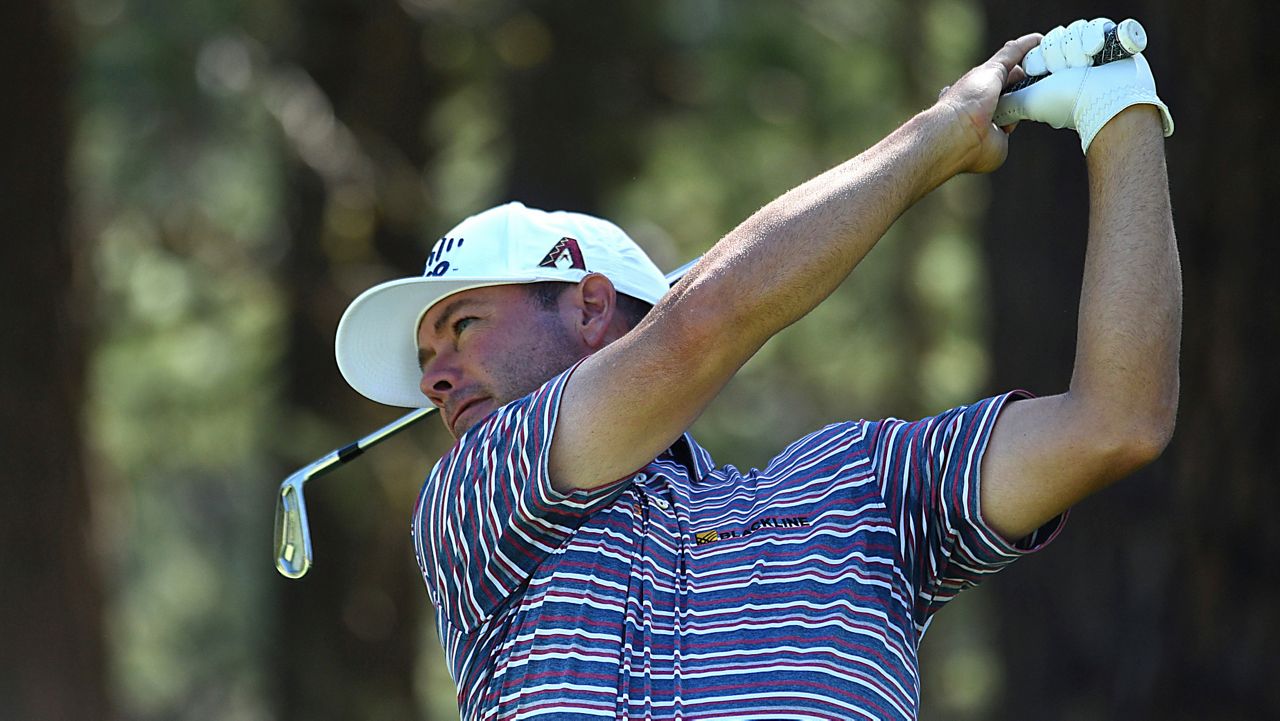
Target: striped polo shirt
(688,590)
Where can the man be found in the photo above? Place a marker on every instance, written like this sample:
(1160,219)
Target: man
(585,555)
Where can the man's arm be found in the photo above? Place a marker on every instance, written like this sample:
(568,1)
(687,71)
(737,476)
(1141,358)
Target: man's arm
(1048,453)
(629,401)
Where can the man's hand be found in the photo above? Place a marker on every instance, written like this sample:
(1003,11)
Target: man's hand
(1075,93)
(973,99)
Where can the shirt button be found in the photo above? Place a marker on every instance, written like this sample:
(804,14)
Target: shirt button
(661,503)
(640,478)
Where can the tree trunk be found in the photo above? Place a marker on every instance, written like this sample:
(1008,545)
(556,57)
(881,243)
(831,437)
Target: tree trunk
(52,650)
(576,115)
(350,630)
(1158,599)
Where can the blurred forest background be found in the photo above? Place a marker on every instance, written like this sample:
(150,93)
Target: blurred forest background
(192,191)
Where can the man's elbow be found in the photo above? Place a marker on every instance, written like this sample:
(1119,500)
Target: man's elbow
(1126,431)
(1149,445)
(1139,441)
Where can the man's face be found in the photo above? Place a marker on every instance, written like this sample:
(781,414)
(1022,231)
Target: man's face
(482,348)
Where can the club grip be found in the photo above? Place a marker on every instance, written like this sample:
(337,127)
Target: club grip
(1118,42)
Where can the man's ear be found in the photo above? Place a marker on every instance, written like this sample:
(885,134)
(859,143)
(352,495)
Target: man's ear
(597,303)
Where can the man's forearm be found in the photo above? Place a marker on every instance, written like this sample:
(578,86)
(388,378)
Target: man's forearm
(1126,369)
(630,400)
(790,255)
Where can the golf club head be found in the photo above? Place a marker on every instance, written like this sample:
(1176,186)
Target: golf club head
(293,536)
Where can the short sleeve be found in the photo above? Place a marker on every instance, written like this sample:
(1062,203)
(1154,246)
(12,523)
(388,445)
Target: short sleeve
(488,516)
(929,475)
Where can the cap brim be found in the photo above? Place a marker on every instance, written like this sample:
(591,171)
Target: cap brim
(376,343)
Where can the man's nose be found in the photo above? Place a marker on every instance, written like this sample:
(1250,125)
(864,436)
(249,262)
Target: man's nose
(439,378)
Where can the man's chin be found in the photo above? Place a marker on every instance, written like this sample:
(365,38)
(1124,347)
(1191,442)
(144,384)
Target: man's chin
(470,416)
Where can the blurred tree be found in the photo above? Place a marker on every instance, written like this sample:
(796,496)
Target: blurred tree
(1158,600)
(353,74)
(53,651)
(174,182)
(580,92)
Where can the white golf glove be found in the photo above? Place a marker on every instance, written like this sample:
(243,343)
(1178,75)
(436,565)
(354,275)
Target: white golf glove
(1077,94)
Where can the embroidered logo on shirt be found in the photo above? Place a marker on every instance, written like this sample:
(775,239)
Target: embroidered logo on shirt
(564,255)
(702,538)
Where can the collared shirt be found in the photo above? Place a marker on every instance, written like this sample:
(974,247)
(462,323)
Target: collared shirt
(688,590)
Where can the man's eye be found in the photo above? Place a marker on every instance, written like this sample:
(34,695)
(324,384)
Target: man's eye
(460,324)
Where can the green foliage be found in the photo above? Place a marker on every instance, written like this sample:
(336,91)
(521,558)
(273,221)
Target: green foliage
(179,190)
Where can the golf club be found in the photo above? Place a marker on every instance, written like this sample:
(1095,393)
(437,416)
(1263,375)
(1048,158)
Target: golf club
(292,534)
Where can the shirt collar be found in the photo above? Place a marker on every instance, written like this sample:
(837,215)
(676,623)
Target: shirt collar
(688,454)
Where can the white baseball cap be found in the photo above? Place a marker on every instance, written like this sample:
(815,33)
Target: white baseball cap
(377,341)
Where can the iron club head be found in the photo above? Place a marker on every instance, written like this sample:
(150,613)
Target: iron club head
(292,533)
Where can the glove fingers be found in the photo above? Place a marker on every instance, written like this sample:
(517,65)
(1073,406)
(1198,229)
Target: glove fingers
(1033,62)
(1010,109)
(1049,101)
(1051,47)
(1072,48)
(1094,36)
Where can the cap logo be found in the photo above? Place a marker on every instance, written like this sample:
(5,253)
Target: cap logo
(436,265)
(564,255)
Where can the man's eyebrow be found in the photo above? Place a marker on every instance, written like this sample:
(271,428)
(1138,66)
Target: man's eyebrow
(449,310)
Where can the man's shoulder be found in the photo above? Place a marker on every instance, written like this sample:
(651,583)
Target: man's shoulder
(520,426)
(830,438)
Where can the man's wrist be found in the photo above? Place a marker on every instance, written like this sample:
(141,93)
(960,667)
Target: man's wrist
(952,139)
(1133,124)
(1090,123)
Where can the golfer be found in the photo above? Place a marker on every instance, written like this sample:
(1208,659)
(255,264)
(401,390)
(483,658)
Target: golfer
(587,558)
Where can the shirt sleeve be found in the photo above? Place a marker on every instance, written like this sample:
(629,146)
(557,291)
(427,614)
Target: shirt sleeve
(929,475)
(487,514)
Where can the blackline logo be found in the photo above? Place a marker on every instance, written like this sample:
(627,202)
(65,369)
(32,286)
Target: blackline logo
(702,538)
